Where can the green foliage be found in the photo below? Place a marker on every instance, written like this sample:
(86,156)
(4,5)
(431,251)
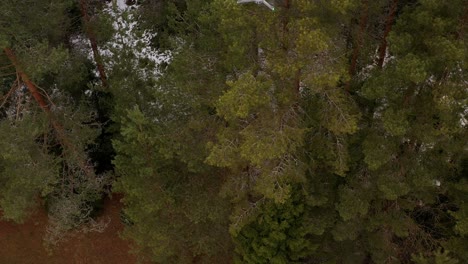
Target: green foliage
(377,150)
(26,167)
(42,59)
(187,215)
(352,205)
(278,235)
(44,149)
(279,127)
(245,95)
(438,258)
(395,122)
(24,23)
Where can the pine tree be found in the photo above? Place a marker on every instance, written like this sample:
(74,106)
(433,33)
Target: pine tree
(323,132)
(408,160)
(171,196)
(50,159)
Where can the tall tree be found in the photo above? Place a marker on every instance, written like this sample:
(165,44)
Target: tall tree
(323,132)
(161,150)
(55,166)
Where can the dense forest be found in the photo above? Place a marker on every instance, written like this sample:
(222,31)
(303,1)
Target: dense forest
(323,132)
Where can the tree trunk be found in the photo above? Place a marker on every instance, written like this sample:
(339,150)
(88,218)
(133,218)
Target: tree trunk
(463,22)
(359,38)
(58,128)
(388,28)
(92,38)
(31,87)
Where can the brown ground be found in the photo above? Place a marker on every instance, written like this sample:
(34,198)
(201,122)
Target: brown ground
(22,244)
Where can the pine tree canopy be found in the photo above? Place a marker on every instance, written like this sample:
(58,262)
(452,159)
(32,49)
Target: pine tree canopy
(325,132)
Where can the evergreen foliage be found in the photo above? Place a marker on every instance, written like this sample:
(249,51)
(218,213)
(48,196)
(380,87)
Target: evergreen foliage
(47,123)
(280,234)
(324,132)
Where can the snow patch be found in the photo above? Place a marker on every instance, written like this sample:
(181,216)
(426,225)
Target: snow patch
(121,4)
(128,38)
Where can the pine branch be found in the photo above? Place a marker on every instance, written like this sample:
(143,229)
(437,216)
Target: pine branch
(6,66)
(8,94)
(7,74)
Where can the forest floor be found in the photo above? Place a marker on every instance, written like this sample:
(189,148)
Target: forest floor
(23,243)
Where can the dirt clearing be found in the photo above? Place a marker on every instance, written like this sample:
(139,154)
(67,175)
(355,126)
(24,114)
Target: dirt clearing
(22,244)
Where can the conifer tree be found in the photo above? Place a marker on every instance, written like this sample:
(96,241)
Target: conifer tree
(54,164)
(323,132)
(171,196)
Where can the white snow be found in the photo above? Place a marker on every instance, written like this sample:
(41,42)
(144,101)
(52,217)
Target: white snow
(126,39)
(120,4)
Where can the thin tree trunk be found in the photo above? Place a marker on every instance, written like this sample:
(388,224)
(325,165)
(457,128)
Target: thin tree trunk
(58,128)
(463,22)
(388,28)
(359,39)
(92,38)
